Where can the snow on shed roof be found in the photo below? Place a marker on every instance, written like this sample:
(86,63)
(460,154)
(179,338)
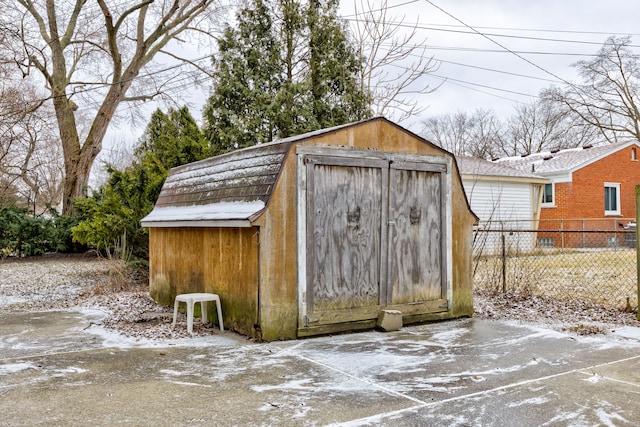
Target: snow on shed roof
(244,175)
(240,176)
(561,161)
(234,213)
(229,187)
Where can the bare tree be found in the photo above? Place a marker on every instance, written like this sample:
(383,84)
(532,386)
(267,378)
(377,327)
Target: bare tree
(463,134)
(93,56)
(30,151)
(608,98)
(545,125)
(394,61)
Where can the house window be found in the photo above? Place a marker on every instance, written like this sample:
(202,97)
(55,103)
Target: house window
(611,198)
(547,196)
(545,242)
(634,155)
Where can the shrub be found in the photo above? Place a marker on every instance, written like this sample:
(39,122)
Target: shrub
(23,234)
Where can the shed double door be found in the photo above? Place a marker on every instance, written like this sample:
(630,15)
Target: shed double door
(375,236)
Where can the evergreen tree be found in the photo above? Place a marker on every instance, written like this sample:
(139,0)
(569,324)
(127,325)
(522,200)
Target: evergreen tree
(336,95)
(111,216)
(241,110)
(286,69)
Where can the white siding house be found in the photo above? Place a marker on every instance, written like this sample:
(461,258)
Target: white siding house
(504,199)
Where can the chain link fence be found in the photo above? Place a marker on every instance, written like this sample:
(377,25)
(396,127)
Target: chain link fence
(587,260)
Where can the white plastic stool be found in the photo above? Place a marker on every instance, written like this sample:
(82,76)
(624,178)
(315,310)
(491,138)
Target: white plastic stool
(191,300)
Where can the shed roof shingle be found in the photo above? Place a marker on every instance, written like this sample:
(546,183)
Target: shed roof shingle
(239,176)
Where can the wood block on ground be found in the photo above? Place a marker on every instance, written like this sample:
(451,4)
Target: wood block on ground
(390,320)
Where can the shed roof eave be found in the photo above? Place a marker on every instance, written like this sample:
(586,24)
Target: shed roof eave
(229,223)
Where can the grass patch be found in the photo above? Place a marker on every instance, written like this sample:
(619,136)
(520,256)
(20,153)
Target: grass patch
(600,276)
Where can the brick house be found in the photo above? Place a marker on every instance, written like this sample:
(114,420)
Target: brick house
(590,188)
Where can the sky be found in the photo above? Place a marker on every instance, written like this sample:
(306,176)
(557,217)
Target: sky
(490,54)
(495,54)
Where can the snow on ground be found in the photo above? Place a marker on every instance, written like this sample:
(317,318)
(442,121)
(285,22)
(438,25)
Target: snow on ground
(87,282)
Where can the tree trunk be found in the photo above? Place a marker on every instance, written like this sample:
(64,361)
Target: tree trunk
(79,160)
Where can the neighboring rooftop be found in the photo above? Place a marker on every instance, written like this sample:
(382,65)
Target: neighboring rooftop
(472,166)
(567,160)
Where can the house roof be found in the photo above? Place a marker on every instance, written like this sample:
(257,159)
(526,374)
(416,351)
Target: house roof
(484,169)
(563,161)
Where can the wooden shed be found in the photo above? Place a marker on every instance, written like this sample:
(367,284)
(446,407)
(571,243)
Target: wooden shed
(318,233)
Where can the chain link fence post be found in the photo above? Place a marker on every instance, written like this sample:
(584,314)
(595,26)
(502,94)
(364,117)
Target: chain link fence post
(504,262)
(638,251)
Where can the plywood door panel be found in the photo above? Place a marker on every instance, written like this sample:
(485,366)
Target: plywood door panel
(375,238)
(346,228)
(415,235)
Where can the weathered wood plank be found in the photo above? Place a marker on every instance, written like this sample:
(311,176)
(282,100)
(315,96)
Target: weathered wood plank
(218,260)
(336,328)
(414,308)
(340,316)
(415,236)
(346,220)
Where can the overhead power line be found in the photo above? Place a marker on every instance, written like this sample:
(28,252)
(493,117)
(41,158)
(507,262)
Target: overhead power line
(528,52)
(469,86)
(493,70)
(385,8)
(510,36)
(501,45)
(538,30)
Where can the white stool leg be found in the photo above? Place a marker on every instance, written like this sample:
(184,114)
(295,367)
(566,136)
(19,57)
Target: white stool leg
(190,305)
(219,314)
(175,312)
(203,310)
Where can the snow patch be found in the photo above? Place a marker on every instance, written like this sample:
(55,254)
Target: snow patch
(188,384)
(300,385)
(210,212)
(629,332)
(594,379)
(12,368)
(540,400)
(113,339)
(609,419)
(71,370)
(172,372)
(7,300)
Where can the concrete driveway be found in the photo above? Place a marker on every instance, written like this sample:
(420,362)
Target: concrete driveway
(59,368)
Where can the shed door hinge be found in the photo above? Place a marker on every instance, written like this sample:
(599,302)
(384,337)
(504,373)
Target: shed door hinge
(307,320)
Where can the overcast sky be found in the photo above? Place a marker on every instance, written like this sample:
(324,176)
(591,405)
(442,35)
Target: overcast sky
(560,32)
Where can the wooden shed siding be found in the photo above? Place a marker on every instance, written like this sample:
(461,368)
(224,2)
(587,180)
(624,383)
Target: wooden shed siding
(278,244)
(255,270)
(462,249)
(218,260)
(278,261)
